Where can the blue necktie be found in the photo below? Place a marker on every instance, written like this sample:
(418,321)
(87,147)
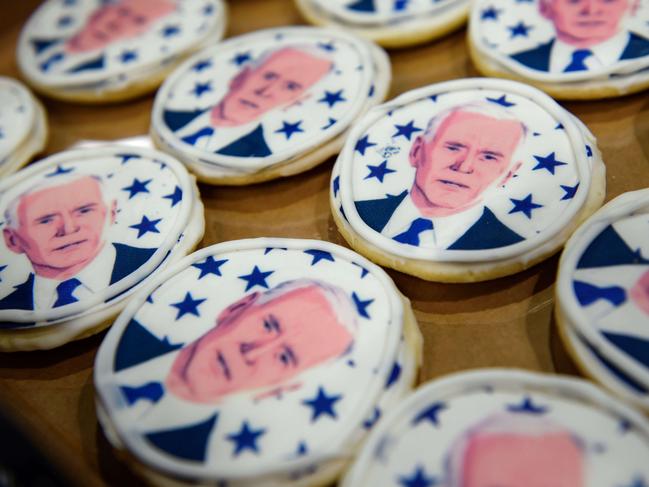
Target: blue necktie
(587,293)
(411,236)
(65,292)
(578,58)
(192,138)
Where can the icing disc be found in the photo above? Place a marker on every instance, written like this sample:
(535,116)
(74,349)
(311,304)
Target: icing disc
(474,170)
(83,227)
(506,427)
(603,284)
(107,46)
(254,361)
(267,98)
(560,42)
(17,116)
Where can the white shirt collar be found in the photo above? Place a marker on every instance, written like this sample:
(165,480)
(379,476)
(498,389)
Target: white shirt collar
(605,53)
(446,230)
(94,278)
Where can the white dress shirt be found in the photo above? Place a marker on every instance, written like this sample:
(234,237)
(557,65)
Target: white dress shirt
(605,53)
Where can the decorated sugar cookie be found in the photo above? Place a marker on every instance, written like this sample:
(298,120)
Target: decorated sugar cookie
(81,231)
(267,104)
(99,51)
(391,23)
(603,294)
(571,49)
(466,180)
(23,126)
(498,427)
(256,362)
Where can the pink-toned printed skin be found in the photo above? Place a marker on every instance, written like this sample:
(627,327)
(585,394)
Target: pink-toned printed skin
(585,23)
(256,345)
(516,460)
(116,21)
(640,293)
(467,154)
(281,79)
(60,228)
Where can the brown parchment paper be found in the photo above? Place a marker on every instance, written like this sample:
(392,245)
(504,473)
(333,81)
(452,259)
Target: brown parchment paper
(506,322)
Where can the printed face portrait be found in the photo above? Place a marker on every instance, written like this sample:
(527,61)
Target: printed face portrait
(119,20)
(639,293)
(468,153)
(60,228)
(261,340)
(585,23)
(281,79)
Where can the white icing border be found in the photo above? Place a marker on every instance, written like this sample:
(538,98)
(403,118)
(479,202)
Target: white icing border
(32,114)
(572,127)
(103,369)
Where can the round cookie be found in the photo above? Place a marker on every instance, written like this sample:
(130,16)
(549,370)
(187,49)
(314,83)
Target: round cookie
(82,231)
(390,23)
(95,51)
(23,126)
(465,180)
(256,362)
(497,427)
(268,104)
(602,294)
(571,50)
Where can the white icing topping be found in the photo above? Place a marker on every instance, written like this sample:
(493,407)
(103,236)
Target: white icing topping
(271,428)
(519,421)
(17,116)
(226,99)
(550,165)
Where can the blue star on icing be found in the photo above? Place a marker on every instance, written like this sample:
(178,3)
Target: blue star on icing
(209,266)
(65,21)
(127,157)
(379,171)
(361,306)
(319,255)
(170,30)
(245,439)
(527,406)
(256,278)
(526,206)
(202,65)
(331,98)
(406,130)
(128,56)
(502,101)
(189,305)
(638,482)
(430,413)
(200,88)
(302,449)
(625,425)
(589,151)
(146,226)
(2,268)
(289,129)
(548,162)
(241,58)
(329,123)
(322,404)
(418,478)
(559,126)
(268,250)
(208,10)
(336,185)
(433,98)
(327,46)
(69,3)
(60,170)
(175,197)
(363,144)
(570,191)
(364,271)
(137,187)
(519,29)
(490,13)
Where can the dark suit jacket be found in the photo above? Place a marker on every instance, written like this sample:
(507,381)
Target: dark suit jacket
(539,57)
(487,233)
(127,260)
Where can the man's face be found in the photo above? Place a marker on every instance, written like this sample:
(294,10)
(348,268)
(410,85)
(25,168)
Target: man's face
(640,293)
(61,226)
(468,153)
(516,460)
(120,20)
(585,22)
(281,80)
(257,345)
